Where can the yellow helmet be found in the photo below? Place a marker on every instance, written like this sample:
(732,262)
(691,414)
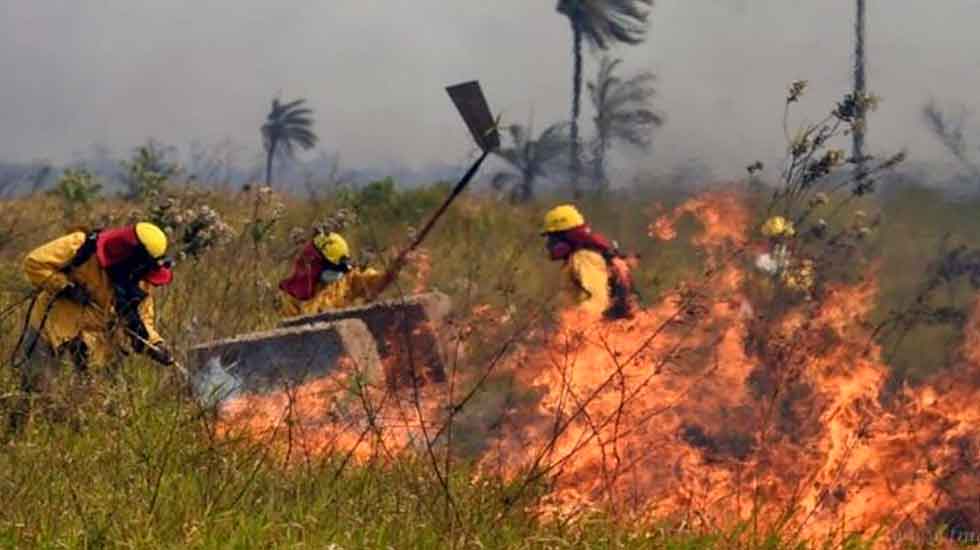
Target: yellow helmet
(153,239)
(562,218)
(333,247)
(777,226)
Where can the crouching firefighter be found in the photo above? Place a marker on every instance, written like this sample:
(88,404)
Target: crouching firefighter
(93,300)
(323,279)
(596,277)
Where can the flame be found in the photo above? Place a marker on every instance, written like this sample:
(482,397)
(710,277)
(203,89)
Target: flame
(722,215)
(700,410)
(704,408)
(662,228)
(345,413)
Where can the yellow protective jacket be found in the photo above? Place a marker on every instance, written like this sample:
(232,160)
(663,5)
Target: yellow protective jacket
(96,324)
(354,288)
(585,282)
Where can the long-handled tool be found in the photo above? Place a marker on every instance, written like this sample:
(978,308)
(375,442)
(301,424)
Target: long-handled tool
(473,107)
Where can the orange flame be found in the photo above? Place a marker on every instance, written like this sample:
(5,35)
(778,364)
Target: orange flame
(703,408)
(345,413)
(698,411)
(722,215)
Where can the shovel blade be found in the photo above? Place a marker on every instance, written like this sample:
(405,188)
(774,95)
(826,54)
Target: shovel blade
(473,107)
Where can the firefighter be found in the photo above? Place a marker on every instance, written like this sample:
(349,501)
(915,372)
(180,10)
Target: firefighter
(779,231)
(323,279)
(93,300)
(796,274)
(595,276)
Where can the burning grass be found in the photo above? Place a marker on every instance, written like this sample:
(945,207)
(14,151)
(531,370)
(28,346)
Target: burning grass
(342,414)
(730,413)
(706,409)
(702,412)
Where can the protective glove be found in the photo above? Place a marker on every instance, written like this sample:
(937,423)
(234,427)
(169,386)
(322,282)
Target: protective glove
(77,294)
(161,354)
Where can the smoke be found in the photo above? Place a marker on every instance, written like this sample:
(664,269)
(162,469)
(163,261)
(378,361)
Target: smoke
(117,72)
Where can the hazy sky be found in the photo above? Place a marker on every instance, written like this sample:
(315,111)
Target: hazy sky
(77,72)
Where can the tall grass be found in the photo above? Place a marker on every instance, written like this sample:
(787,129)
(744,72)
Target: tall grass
(130,461)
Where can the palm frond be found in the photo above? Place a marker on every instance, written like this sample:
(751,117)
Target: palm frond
(637,90)
(288,126)
(297,119)
(299,134)
(292,105)
(529,158)
(605,22)
(623,113)
(553,142)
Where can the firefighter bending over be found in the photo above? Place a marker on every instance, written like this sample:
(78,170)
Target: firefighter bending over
(323,279)
(94,299)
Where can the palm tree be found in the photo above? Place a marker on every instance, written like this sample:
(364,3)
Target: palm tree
(286,127)
(860,82)
(529,158)
(601,23)
(622,113)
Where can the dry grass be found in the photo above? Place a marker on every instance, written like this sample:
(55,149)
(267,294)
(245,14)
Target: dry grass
(136,464)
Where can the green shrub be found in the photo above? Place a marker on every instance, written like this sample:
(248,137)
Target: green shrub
(148,171)
(76,189)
